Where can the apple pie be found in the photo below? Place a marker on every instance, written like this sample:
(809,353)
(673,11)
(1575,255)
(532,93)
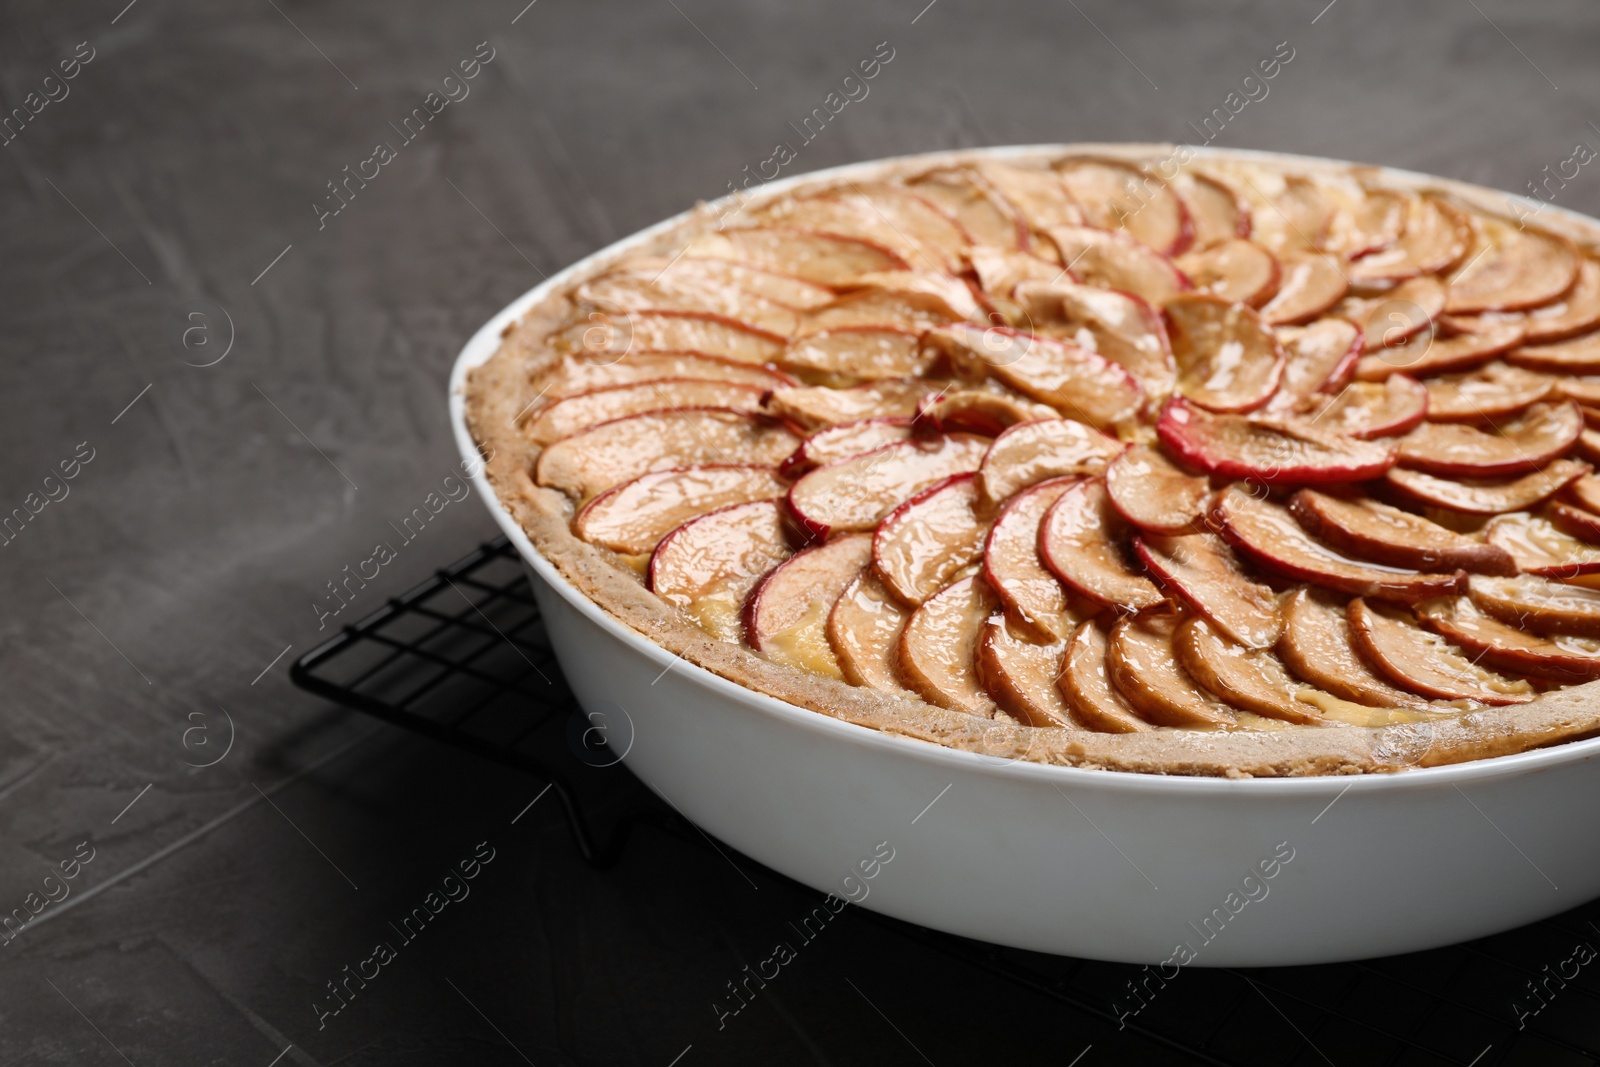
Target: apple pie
(1244,466)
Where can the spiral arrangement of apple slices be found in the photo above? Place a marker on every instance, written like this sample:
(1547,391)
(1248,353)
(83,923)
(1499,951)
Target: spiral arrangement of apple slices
(1070,444)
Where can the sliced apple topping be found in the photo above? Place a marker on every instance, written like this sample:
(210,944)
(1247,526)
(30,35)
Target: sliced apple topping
(1075,381)
(1585,492)
(924,543)
(1514,268)
(1119,326)
(1292,213)
(1435,237)
(1429,353)
(786,616)
(1267,535)
(877,307)
(1203,572)
(1377,531)
(1215,212)
(1369,410)
(779,287)
(615,334)
(1309,284)
(581,374)
(571,414)
(950,295)
(1577,311)
(1589,444)
(1366,221)
(1317,646)
(1268,450)
(1000,272)
(1085,685)
(967,197)
(1033,451)
(813,407)
(825,259)
(708,566)
(846,440)
(861,353)
(1116,261)
(1038,194)
(979,411)
(1527,443)
(1580,355)
(1155,494)
(1426,663)
(1494,643)
(1388,319)
(1530,602)
(891,217)
(864,632)
(855,493)
(1486,496)
(1116,195)
(1014,570)
(633,517)
(1235,270)
(1585,389)
(647,284)
(1579,522)
(1490,393)
(1541,547)
(1143,665)
(1020,675)
(1251,679)
(938,648)
(611,453)
(1079,541)
(1319,358)
(1228,359)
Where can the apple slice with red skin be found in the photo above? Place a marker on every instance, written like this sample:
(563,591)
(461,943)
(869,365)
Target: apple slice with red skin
(1585,492)
(1155,494)
(855,493)
(979,411)
(1119,326)
(1372,530)
(924,543)
(1388,320)
(1121,196)
(889,216)
(1079,542)
(1318,358)
(1585,389)
(708,566)
(1373,222)
(786,616)
(1489,641)
(1292,212)
(1116,261)
(823,258)
(1250,679)
(858,353)
(581,374)
(1580,355)
(845,440)
(1577,311)
(1429,353)
(878,308)
(1215,212)
(1268,450)
(1144,667)
(864,632)
(1435,238)
(1579,522)
(1537,604)
(1203,572)
(1228,359)
(1020,675)
(1530,442)
(646,284)
(1370,410)
(1267,535)
(1318,647)
(938,651)
(1032,452)
(1309,284)
(1589,445)
(1085,684)
(612,333)
(954,296)
(1425,663)
(964,195)
(633,517)
(1486,496)
(999,272)
(1515,268)
(1235,270)
(1075,381)
(1492,392)
(813,407)
(588,463)
(780,287)
(1014,570)
(1039,195)
(569,415)
(1586,441)
(1540,547)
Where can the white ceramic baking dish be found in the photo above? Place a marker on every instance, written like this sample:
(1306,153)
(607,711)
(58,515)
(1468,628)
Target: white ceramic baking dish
(1100,864)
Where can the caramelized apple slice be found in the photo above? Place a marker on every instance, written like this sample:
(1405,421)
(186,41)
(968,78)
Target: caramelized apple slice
(611,453)
(825,259)
(1000,272)
(1085,685)
(786,616)
(616,334)
(1524,444)
(1272,451)
(1079,543)
(1014,570)
(1021,676)
(1589,444)
(1370,221)
(891,217)
(1489,393)
(1234,270)
(571,414)
(579,374)
(1153,493)
(1143,665)
(1586,492)
(1492,642)
(952,296)
(1376,531)
(855,493)
(1388,320)
(880,308)
(979,411)
(1073,380)
(1292,213)
(1426,663)
(1309,284)
(924,543)
(864,632)
(1215,212)
(1120,196)
(1579,522)
(965,196)
(1540,547)
(1428,353)
(1033,451)
(1228,359)
(780,288)
(655,283)
(1115,261)
(813,407)
(1251,679)
(1537,604)
(633,517)
(1515,268)
(1577,311)
(1580,355)
(938,649)
(1368,410)
(846,440)
(1268,536)
(1585,389)
(708,566)
(1039,195)
(1317,646)
(1119,326)
(1434,238)
(862,353)
(1205,574)
(1319,358)
(1486,496)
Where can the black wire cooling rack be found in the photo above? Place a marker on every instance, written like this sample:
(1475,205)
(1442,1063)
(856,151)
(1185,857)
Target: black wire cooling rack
(463,659)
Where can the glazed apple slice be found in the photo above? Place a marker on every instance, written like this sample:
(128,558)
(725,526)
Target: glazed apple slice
(938,648)
(786,616)
(1085,685)
(1579,522)
(1486,496)
(1585,492)
(891,217)
(646,285)
(1014,570)
(1435,237)
(1429,353)
(1078,541)
(1020,675)
(1490,393)
(1234,270)
(1031,452)
(1366,221)
(1116,261)
(581,374)
(1250,679)
(861,353)
(1426,663)
(825,259)
(951,295)
(1267,535)
(1514,268)
(614,334)
(1585,389)
(979,411)
(1577,311)
(1373,530)
(999,271)
(1527,443)
(779,287)
(1292,212)
(1540,547)
(814,407)
(1537,604)
(1309,284)
(1144,667)
(1318,647)
(611,453)
(1215,212)
(965,196)
(1038,195)
(1119,326)
(1075,381)
(1388,320)
(924,543)
(1268,450)
(708,566)
(880,308)
(1369,410)
(1589,445)
(633,517)
(855,493)
(864,632)
(1318,358)
(1153,493)
(1200,570)
(1228,359)
(1580,355)
(846,440)
(571,414)
(1120,196)
(1493,643)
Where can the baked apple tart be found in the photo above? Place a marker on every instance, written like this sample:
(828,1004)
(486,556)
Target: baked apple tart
(1226,465)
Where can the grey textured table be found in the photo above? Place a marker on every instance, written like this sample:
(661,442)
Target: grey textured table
(179,181)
